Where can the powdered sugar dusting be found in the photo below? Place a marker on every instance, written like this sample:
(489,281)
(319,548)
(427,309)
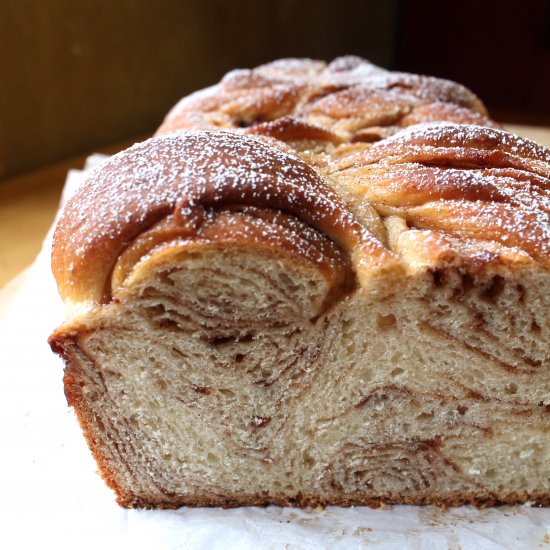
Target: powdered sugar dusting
(471,181)
(524,227)
(350,94)
(441,175)
(136,188)
(449,134)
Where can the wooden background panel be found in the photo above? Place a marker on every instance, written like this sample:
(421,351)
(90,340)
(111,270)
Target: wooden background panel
(77,75)
(500,50)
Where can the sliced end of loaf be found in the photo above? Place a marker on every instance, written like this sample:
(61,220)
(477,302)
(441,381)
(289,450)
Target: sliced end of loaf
(226,375)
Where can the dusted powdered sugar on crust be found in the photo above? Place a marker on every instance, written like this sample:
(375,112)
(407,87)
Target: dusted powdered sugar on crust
(364,126)
(469,181)
(448,134)
(351,97)
(173,175)
(466,180)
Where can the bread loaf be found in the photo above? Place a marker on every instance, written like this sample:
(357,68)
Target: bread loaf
(318,284)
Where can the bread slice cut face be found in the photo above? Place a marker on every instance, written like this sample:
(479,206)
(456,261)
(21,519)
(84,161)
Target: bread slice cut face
(251,325)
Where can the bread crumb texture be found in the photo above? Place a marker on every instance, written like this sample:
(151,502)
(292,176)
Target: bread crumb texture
(318,284)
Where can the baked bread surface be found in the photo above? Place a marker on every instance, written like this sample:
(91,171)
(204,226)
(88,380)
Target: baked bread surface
(319,284)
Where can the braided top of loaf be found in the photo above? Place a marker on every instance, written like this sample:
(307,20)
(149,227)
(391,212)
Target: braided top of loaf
(347,148)
(350,99)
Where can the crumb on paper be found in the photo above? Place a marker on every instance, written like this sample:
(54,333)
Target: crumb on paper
(319,509)
(360,530)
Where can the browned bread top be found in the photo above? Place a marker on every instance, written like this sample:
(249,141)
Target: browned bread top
(426,195)
(350,97)
(177,177)
(472,182)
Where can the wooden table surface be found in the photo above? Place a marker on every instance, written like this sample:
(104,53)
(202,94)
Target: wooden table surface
(28,204)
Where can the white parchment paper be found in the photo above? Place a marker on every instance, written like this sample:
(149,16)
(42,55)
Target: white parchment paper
(52,497)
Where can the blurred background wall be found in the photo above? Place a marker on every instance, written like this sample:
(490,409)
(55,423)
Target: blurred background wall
(75,75)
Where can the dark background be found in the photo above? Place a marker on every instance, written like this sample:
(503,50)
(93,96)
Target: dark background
(75,75)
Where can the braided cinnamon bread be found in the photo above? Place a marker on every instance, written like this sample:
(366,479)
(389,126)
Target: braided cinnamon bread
(334,300)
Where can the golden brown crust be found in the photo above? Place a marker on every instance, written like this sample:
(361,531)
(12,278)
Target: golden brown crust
(350,97)
(178,175)
(480,500)
(470,181)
